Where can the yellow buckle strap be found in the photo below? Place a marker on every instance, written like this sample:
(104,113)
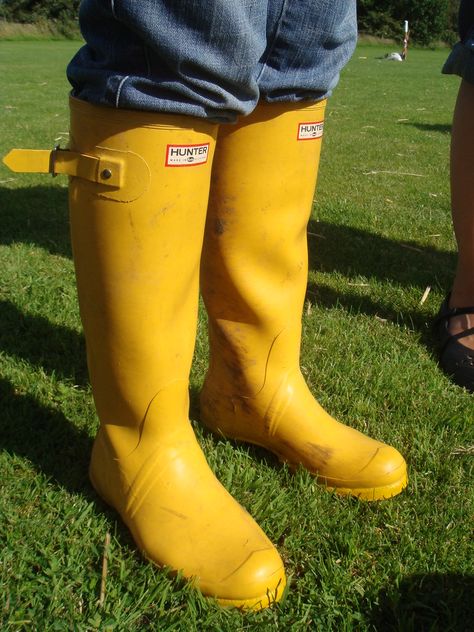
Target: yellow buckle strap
(103,170)
(122,175)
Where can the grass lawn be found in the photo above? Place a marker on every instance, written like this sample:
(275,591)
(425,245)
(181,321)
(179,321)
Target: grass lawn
(379,236)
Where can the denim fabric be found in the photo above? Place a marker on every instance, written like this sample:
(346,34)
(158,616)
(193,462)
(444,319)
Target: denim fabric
(212,59)
(461,59)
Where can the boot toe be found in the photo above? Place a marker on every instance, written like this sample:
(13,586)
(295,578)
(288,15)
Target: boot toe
(384,475)
(255,583)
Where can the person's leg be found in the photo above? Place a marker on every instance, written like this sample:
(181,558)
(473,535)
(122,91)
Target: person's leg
(138,199)
(454,325)
(253,279)
(136,252)
(254,265)
(462,204)
(137,267)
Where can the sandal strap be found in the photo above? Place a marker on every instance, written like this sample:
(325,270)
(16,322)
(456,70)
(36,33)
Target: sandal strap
(449,312)
(441,324)
(455,337)
(461,310)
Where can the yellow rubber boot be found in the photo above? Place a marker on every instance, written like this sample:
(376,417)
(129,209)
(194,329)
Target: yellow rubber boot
(253,279)
(137,223)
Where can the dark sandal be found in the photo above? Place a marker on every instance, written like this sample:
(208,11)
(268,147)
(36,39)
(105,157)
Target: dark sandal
(454,358)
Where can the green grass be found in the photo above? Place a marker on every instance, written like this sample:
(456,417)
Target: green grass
(40,30)
(379,236)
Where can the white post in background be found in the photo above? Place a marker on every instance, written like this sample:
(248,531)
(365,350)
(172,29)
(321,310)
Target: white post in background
(406,37)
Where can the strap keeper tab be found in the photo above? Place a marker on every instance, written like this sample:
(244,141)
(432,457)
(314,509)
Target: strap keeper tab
(100,169)
(106,170)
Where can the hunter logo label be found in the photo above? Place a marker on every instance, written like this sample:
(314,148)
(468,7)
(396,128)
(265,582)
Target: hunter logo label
(310,130)
(186,155)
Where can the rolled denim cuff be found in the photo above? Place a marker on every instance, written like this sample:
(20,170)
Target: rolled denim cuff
(461,59)
(212,59)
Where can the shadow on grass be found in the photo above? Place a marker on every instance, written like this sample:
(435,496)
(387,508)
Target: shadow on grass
(427,603)
(356,253)
(57,448)
(36,215)
(431,127)
(44,436)
(56,349)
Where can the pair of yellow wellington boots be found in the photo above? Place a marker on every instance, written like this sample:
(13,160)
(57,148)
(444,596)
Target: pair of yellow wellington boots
(150,193)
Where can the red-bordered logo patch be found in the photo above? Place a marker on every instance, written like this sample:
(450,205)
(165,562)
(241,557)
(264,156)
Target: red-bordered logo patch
(310,130)
(186,155)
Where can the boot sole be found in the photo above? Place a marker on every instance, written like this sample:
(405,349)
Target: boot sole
(372,493)
(265,601)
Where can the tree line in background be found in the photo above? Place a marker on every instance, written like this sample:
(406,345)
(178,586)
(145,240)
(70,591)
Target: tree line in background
(60,14)
(430,20)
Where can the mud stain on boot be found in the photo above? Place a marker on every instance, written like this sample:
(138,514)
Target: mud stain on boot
(311,456)
(219,226)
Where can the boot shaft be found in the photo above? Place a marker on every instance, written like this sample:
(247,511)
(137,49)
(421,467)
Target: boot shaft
(255,263)
(136,251)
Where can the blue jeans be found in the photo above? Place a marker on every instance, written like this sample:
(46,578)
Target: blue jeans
(213,59)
